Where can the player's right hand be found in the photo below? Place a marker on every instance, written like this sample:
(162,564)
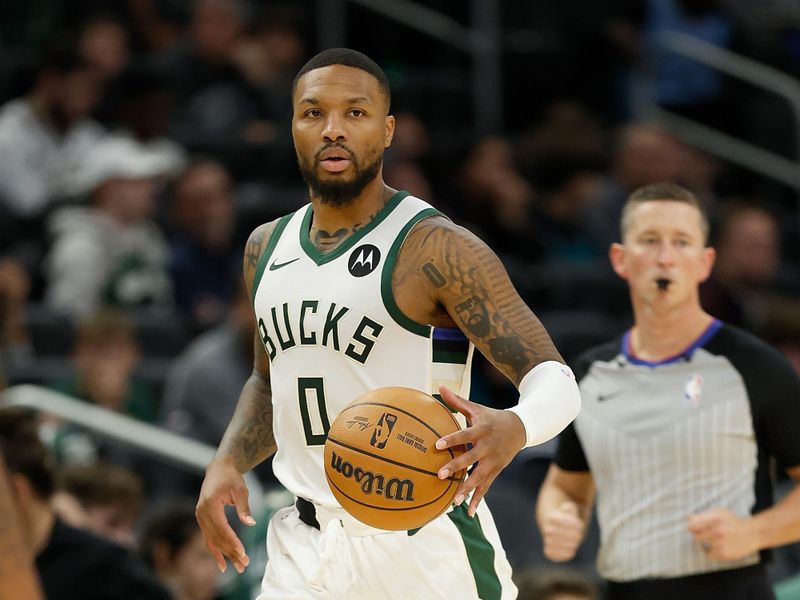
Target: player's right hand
(562,532)
(223,485)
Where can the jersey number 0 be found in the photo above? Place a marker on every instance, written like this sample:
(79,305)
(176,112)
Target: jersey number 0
(311,393)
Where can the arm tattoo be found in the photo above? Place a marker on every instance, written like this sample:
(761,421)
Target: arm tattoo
(249,438)
(432,273)
(253,251)
(476,317)
(485,304)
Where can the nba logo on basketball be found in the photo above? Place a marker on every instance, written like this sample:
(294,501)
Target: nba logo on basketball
(382,430)
(693,390)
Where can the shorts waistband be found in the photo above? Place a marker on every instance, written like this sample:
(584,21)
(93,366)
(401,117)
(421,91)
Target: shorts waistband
(319,517)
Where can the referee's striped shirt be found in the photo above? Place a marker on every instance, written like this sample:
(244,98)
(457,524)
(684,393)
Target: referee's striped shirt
(668,439)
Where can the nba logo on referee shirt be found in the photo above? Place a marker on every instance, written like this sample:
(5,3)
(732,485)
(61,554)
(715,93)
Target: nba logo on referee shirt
(693,390)
(382,430)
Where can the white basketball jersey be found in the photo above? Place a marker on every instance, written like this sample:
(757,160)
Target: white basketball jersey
(332,329)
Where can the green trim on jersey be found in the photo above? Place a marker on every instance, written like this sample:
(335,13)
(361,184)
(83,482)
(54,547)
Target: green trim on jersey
(480,553)
(273,241)
(386,277)
(321,258)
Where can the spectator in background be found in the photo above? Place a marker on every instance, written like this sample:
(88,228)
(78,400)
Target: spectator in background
(105,356)
(643,154)
(142,107)
(202,248)
(537,583)
(203,385)
(111,252)
(406,160)
(73,564)
(171,544)
(103,498)
(567,129)
(268,55)
(157,24)
(747,266)
(566,185)
(45,134)
(217,110)
(15,345)
(104,45)
(494,198)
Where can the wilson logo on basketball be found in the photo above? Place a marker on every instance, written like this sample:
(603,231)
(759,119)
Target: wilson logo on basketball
(374,483)
(382,430)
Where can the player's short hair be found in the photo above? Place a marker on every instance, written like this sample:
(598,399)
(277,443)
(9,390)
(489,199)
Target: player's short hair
(103,484)
(348,58)
(173,525)
(670,192)
(23,451)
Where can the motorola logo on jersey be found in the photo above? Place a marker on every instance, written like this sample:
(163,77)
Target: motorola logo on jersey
(363,260)
(382,430)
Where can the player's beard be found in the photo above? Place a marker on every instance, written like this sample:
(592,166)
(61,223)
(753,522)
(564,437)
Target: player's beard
(337,191)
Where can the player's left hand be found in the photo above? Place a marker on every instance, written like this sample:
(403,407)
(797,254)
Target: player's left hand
(496,437)
(723,535)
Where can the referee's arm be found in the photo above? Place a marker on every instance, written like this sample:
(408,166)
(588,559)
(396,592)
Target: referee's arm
(565,501)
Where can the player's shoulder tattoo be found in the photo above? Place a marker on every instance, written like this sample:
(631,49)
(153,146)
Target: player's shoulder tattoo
(470,281)
(256,244)
(446,254)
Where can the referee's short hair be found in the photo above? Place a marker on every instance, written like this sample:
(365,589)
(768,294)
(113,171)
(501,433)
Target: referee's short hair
(670,192)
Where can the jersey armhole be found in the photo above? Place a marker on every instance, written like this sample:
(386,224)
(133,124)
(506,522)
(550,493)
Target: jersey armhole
(264,259)
(387,294)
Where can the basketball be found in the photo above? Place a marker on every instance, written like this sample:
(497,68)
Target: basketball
(381,460)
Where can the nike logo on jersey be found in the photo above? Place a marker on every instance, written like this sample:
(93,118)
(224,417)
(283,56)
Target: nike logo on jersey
(276,265)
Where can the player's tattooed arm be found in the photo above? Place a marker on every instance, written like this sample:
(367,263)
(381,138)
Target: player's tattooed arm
(466,278)
(256,244)
(249,438)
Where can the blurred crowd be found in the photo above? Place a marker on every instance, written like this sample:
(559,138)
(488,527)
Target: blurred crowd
(142,140)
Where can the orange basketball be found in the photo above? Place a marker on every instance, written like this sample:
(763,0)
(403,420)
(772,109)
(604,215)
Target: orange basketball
(381,460)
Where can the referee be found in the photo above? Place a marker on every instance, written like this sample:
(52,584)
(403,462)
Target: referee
(681,418)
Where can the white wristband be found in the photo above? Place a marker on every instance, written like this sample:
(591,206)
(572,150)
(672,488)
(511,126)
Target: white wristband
(549,399)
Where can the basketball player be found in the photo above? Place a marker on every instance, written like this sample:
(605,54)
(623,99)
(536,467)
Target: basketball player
(363,288)
(681,417)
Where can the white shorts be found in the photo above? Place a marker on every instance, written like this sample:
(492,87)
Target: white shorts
(454,556)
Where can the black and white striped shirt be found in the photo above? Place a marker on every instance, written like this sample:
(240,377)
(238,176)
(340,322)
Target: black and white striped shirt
(668,439)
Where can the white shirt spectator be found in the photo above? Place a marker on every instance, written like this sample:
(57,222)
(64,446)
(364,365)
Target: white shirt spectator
(37,163)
